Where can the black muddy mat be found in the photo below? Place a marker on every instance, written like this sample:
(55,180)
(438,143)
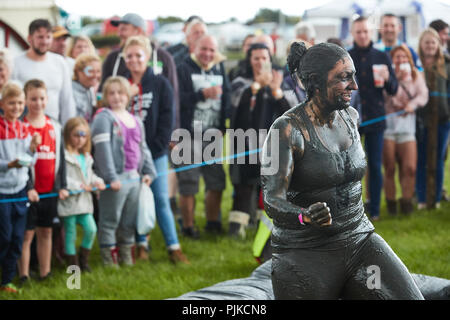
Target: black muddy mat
(258,286)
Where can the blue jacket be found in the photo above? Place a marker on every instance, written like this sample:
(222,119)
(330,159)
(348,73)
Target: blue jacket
(372,101)
(155,106)
(189,97)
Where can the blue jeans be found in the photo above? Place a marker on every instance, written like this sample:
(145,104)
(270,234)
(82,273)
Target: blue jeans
(164,215)
(13,218)
(421,174)
(373,144)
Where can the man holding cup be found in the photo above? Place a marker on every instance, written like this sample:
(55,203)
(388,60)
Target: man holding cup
(374,74)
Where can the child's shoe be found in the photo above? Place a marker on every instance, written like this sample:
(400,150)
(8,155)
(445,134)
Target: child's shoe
(126,254)
(109,257)
(10,288)
(84,260)
(72,260)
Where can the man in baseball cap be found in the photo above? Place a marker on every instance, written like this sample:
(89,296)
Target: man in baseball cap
(130,24)
(59,44)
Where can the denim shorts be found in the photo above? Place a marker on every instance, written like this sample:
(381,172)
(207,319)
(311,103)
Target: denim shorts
(401,137)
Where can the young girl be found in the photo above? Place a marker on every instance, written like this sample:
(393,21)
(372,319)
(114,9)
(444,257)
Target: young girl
(122,156)
(78,208)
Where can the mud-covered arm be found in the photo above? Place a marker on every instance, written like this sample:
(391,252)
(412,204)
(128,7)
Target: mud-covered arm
(277,166)
(282,145)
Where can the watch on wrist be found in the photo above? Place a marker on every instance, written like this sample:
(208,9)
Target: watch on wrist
(255,87)
(277,94)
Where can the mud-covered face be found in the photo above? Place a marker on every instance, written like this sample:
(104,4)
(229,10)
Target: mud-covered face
(340,83)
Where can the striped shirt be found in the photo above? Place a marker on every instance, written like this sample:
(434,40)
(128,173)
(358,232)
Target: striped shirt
(15,141)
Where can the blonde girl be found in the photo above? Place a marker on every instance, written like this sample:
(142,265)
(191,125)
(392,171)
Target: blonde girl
(81,179)
(123,159)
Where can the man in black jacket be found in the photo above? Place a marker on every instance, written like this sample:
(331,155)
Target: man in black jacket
(204,100)
(366,59)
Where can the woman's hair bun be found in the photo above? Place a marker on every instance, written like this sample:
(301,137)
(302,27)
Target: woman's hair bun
(296,53)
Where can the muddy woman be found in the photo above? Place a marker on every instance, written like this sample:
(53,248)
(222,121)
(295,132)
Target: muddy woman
(324,246)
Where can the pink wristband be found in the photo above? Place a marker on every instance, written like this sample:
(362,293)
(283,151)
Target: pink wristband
(300,218)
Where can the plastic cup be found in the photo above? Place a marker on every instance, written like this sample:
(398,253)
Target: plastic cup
(377,75)
(405,67)
(25,160)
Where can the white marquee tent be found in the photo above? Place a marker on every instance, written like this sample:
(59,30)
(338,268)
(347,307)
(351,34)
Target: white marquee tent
(334,18)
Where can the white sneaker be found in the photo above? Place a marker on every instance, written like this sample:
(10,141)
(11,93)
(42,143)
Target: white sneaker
(438,205)
(421,206)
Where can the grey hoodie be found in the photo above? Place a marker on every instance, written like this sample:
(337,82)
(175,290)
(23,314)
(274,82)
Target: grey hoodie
(84,99)
(109,154)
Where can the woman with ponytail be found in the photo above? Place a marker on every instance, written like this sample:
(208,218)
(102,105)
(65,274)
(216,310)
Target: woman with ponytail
(323,244)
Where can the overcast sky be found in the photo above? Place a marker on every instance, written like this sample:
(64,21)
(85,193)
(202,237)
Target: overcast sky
(209,10)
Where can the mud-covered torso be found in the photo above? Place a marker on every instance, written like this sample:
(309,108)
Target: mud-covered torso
(324,175)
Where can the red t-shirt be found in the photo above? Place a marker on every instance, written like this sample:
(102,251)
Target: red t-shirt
(44,169)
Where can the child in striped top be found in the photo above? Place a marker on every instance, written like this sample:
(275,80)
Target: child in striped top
(17,148)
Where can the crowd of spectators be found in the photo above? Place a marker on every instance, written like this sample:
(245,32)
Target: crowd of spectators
(90,134)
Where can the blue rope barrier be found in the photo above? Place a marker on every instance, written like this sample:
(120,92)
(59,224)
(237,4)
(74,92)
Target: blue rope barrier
(374,120)
(160,174)
(439,94)
(204,163)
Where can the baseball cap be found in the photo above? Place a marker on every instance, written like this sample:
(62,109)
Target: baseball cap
(131,18)
(60,31)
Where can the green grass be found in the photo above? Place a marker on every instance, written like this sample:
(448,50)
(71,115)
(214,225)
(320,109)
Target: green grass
(421,240)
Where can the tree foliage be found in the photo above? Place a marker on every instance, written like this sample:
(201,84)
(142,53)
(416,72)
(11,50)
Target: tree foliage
(269,15)
(170,19)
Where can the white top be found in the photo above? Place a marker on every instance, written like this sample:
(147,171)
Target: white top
(55,73)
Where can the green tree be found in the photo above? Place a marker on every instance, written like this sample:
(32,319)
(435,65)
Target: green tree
(269,15)
(170,19)
(85,20)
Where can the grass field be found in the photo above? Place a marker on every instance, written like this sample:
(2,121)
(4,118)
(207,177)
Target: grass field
(421,240)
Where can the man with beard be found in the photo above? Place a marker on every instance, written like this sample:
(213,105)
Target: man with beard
(372,65)
(39,63)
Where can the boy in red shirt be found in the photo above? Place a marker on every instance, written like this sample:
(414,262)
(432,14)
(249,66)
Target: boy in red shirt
(48,175)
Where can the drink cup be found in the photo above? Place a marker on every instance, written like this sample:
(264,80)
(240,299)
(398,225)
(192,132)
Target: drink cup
(25,160)
(378,75)
(405,67)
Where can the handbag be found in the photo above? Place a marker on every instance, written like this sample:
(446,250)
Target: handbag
(146,210)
